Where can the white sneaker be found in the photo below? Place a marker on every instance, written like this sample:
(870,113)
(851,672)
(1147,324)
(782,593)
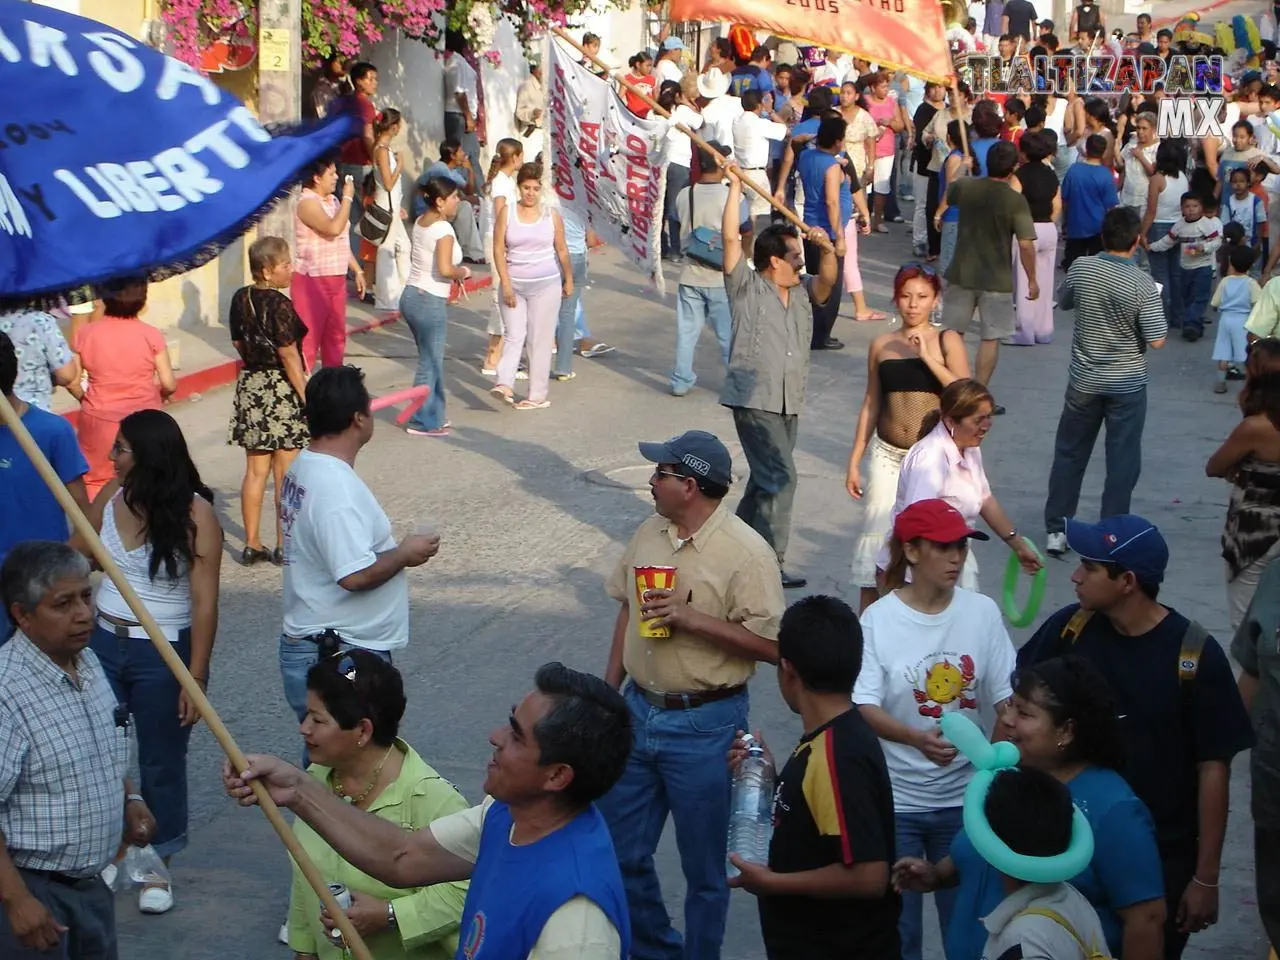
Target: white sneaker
(155,900)
(1056,544)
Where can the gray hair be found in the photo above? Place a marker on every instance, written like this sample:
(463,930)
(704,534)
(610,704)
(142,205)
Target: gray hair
(33,567)
(1147,117)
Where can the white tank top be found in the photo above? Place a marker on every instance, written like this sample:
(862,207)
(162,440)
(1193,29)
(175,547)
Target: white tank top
(1057,118)
(168,601)
(1169,203)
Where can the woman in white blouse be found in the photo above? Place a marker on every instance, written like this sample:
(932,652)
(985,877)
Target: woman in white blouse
(679,157)
(946,463)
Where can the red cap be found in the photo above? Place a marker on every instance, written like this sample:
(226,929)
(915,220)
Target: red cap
(933,520)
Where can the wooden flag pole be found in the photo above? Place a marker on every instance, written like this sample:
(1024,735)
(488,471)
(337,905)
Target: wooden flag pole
(192,689)
(720,160)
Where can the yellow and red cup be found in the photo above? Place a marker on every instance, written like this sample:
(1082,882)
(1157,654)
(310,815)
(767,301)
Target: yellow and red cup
(648,579)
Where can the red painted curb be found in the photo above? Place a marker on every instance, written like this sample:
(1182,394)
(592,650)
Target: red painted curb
(221,374)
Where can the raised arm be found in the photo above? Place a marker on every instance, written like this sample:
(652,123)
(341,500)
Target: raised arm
(730,227)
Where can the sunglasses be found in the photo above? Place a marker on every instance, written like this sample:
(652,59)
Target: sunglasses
(668,473)
(918,268)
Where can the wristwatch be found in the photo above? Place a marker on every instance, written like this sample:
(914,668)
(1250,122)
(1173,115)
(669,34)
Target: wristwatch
(133,798)
(391,915)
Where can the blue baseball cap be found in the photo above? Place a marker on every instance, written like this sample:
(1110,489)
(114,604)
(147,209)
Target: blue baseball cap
(673,43)
(1128,541)
(699,453)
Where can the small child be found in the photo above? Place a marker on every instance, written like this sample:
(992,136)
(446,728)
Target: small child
(1031,812)
(1239,156)
(1241,205)
(1233,237)
(1198,238)
(1257,177)
(1236,294)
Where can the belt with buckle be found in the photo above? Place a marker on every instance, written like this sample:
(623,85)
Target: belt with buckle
(688,701)
(64,879)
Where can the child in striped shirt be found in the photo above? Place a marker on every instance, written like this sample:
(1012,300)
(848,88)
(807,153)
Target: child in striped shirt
(1198,238)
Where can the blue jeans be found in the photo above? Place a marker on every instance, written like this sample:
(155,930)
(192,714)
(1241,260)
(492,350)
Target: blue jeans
(297,657)
(676,767)
(696,306)
(580,321)
(1164,270)
(926,835)
(1083,414)
(566,328)
(143,683)
(677,180)
(1196,288)
(428,318)
(947,251)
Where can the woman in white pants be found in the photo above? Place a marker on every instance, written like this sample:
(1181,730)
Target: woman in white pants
(392,265)
(535,272)
(499,191)
(907,369)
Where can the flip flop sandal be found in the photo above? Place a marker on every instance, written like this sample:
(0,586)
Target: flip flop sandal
(873,316)
(533,404)
(503,394)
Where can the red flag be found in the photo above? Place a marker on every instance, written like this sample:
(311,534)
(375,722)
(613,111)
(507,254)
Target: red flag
(898,34)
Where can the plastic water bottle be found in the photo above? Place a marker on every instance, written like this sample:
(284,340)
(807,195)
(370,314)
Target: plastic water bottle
(751,807)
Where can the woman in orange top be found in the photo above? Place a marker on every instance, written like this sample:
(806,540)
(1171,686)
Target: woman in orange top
(128,369)
(641,76)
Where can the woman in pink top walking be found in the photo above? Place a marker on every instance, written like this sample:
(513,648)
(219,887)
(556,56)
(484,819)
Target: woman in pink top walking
(127,363)
(319,288)
(534,271)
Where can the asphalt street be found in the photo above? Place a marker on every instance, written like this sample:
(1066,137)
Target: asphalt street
(535,508)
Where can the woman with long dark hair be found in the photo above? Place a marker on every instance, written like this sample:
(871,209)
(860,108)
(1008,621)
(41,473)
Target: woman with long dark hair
(1063,721)
(1250,460)
(156,520)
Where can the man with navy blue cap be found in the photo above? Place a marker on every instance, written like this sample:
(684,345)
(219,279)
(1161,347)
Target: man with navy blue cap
(1180,711)
(700,599)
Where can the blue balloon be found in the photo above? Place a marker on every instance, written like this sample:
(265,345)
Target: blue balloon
(989,759)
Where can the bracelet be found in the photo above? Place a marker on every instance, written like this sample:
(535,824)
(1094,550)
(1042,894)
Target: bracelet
(1200,883)
(1012,534)
(133,798)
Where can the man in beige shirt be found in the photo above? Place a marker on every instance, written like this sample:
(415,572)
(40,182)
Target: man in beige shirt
(701,598)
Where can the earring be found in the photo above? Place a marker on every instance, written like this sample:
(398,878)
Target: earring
(1061,746)
(360,743)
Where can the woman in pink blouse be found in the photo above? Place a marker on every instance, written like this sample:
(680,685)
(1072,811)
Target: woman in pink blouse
(128,369)
(319,288)
(946,463)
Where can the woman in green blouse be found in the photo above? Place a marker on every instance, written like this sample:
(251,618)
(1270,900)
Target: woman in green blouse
(354,704)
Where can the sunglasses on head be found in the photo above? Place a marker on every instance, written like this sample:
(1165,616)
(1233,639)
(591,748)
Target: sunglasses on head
(347,665)
(921,269)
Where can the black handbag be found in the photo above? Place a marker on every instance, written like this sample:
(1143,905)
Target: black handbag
(375,224)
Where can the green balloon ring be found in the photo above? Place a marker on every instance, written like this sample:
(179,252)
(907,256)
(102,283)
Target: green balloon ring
(1022,616)
(989,759)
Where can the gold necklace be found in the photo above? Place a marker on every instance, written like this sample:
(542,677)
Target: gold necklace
(336,781)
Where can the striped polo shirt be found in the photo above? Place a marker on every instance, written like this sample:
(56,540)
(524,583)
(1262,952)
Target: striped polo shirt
(1118,314)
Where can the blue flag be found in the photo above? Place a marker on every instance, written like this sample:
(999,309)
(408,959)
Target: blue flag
(116,160)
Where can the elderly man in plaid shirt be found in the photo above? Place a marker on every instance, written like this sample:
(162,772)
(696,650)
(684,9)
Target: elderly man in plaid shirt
(64,798)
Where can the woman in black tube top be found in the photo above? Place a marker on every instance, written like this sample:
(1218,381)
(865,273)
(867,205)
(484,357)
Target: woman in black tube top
(906,370)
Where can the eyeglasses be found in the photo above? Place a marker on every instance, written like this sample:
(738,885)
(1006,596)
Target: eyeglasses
(118,448)
(657,474)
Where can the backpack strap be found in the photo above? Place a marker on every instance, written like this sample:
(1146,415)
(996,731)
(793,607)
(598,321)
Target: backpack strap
(1075,626)
(1193,641)
(1085,949)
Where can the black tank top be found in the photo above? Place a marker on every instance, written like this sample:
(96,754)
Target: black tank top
(908,375)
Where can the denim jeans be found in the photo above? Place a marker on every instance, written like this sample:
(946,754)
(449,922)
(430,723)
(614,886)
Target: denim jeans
(676,767)
(926,835)
(824,317)
(1196,288)
(768,442)
(566,328)
(296,658)
(142,681)
(428,319)
(696,306)
(947,245)
(677,180)
(1082,415)
(1165,271)
(580,321)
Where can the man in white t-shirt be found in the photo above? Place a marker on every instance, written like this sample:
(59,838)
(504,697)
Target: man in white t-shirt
(754,132)
(344,580)
(720,110)
(461,100)
(545,883)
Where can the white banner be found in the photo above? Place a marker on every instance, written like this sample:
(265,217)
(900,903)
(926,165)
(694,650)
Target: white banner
(605,162)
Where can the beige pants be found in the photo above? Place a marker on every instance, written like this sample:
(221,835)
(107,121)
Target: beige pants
(1241,589)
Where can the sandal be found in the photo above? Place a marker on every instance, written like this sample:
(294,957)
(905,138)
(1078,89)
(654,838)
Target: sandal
(503,393)
(874,315)
(533,404)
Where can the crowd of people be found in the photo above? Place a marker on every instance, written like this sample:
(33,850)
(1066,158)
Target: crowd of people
(1124,712)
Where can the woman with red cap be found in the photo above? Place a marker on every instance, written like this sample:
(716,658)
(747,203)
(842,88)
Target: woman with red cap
(929,648)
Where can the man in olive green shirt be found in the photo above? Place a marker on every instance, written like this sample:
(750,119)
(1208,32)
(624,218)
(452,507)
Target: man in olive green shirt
(980,277)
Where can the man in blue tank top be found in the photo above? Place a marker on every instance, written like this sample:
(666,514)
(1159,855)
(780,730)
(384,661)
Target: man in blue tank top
(544,876)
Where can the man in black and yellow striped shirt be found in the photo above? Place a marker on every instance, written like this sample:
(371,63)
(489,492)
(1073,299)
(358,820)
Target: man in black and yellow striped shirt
(826,892)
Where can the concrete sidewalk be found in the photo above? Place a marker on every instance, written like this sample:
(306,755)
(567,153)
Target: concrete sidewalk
(204,358)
